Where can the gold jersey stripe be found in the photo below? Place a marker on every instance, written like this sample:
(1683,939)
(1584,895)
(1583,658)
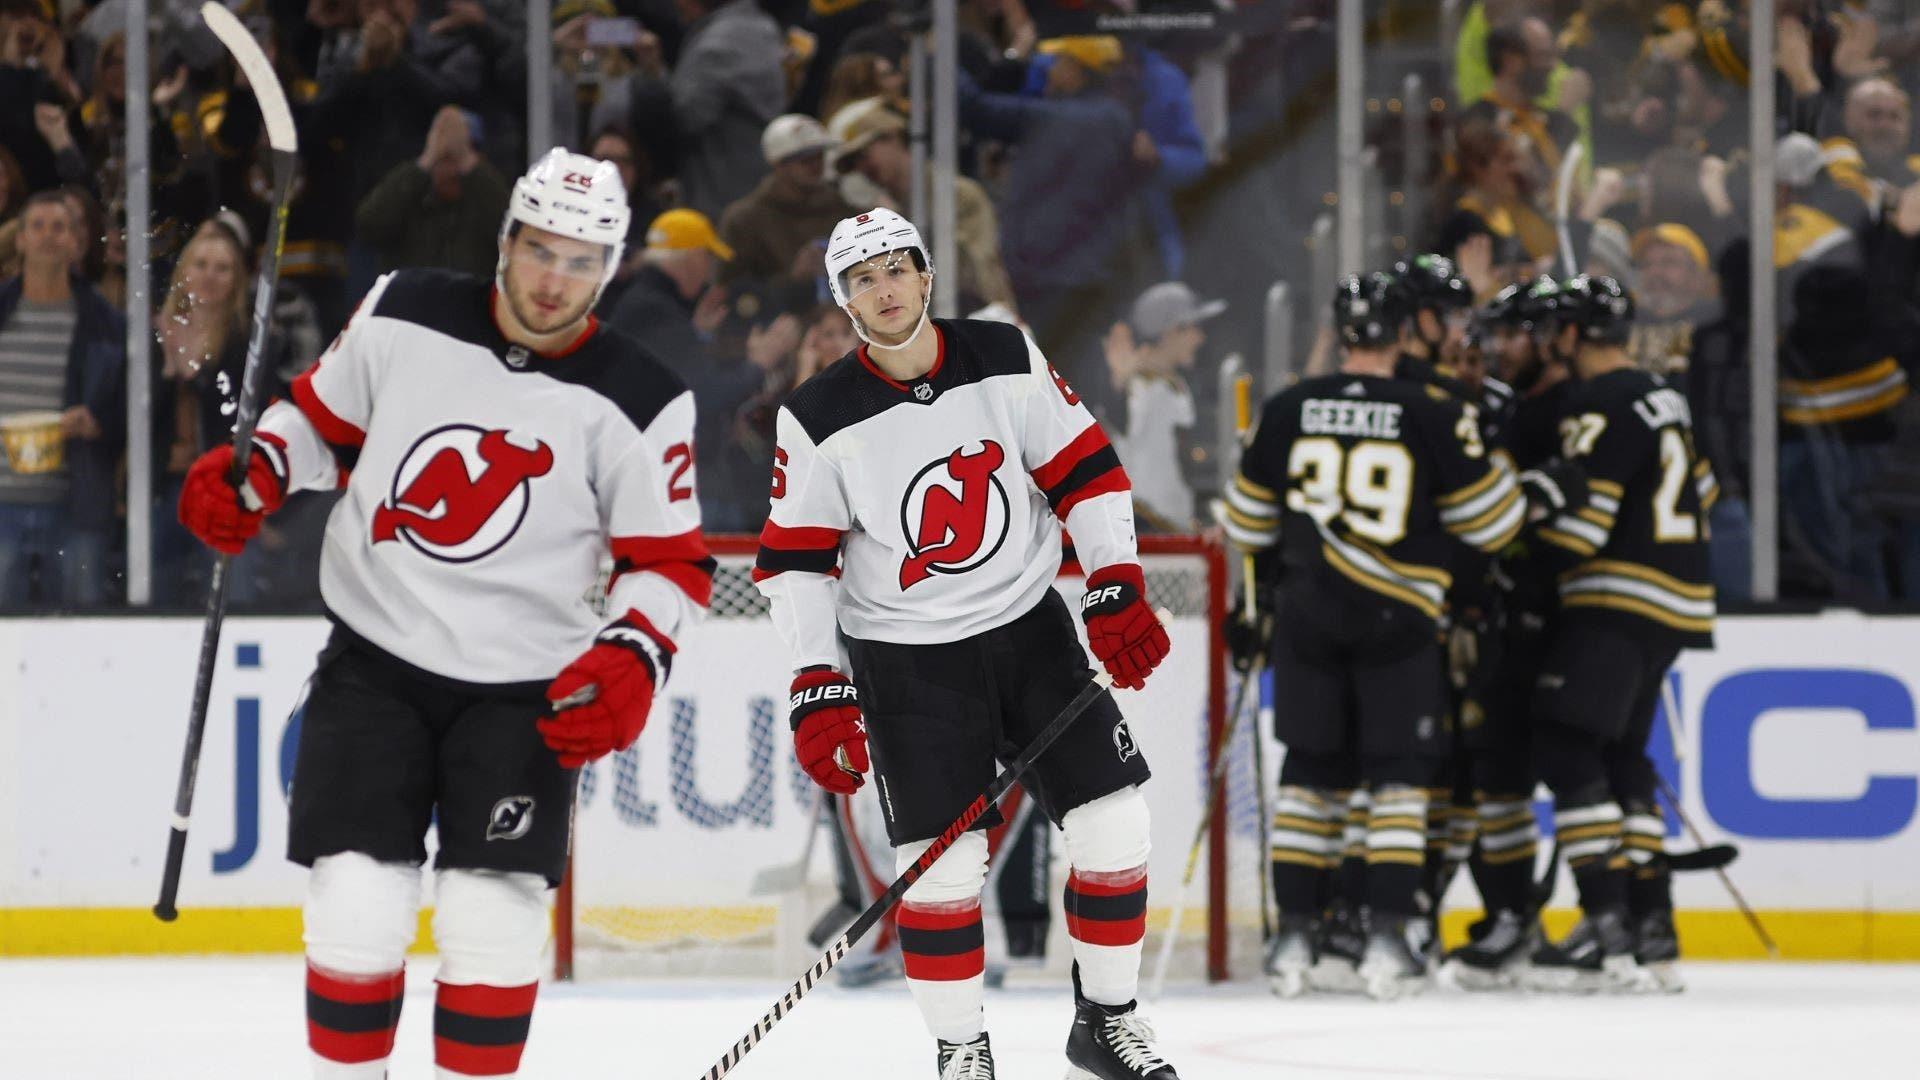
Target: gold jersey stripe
(1635,606)
(1644,573)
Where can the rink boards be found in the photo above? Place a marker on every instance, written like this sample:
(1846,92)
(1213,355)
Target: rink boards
(1799,733)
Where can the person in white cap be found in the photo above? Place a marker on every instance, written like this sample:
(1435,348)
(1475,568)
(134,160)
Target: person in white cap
(1148,357)
(778,230)
(495,444)
(919,489)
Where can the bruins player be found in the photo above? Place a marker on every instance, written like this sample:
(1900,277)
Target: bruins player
(1363,483)
(1634,592)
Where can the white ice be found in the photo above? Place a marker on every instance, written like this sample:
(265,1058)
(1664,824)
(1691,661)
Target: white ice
(216,1019)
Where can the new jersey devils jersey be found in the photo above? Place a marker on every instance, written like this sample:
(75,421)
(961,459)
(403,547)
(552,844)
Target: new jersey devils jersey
(937,504)
(486,484)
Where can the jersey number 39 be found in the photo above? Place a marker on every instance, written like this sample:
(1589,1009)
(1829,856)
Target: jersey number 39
(1368,487)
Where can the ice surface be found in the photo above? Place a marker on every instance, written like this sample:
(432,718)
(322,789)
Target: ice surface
(213,1019)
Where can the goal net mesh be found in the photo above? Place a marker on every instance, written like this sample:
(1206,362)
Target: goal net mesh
(687,847)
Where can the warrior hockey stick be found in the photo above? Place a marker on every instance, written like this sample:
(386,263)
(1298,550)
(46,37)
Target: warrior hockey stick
(1214,789)
(280,137)
(879,908)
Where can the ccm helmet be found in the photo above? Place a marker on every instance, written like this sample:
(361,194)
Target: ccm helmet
(865,236)
(572,195)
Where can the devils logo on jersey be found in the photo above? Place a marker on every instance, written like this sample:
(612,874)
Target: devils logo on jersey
(955,514)
(461,492)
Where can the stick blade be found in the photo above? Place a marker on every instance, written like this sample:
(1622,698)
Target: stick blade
(266,85)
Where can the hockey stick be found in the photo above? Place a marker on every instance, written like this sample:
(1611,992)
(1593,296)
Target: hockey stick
(1214,791)
(1759,931)
(281,138)
(1702,857)
(1242,421)
(1562,201)
(879,908)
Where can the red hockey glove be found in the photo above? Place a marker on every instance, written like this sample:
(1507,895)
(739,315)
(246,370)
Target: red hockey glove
(600,702)
(1122,630)
(829,738)
(225,519)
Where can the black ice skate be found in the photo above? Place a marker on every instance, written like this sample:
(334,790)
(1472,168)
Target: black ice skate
(1393,965)
(1656,946)
(1596,955)
(1497,956)
(1113,1043)
(1342,942)
(967,1060)
(1290,957)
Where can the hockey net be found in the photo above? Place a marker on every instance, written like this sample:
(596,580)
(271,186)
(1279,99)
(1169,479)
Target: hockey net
(686,846)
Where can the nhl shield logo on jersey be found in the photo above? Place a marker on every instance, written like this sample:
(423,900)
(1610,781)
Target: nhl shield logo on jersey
(511,818)
(955,514)
(461,492)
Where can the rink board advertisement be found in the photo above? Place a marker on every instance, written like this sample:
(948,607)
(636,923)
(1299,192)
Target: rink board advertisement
(1799,734)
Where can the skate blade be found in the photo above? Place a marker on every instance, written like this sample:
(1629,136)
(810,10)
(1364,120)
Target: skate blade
(1665,977)
(1386,984)
(1336,977)
(1558,980)
(1288,984)
(1458,976)
(1624,975)
(1075,1072)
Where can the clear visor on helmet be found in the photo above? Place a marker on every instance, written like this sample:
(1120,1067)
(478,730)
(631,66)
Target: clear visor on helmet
(894,268)
(538,252)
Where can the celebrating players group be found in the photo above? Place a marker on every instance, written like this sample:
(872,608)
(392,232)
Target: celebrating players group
(1468,586)
(1471,585)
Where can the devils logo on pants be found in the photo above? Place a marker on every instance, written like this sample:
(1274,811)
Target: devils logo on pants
(460,492)
(952,531)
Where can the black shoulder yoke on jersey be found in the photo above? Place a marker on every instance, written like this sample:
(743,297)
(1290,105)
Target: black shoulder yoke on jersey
(852,389)
(607,361)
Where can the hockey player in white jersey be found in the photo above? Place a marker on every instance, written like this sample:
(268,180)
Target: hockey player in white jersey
(495,444)
(919,488)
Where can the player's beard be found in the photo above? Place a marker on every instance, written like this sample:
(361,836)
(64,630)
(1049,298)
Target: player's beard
(542,326)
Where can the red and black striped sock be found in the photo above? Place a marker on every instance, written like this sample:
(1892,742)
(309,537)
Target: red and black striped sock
(1107,921)
(481,1030)
(351,1018)
(944,950)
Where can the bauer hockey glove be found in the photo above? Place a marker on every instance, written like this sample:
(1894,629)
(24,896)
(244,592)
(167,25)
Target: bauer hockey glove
(601,701)
(829,738)
(222,518)
(1122,630)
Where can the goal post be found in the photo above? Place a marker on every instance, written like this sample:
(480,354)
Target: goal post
(670,833)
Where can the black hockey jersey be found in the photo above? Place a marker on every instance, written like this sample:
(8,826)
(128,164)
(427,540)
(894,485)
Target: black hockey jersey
(1638,549)
(486,484)
(1366,482)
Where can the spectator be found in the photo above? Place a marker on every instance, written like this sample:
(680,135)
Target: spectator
(778,231)
(1522,57)
(201,327)
(875,148)
(1675,287)
(63,351)
(644,203)
(439,210)
(1067,202)
(858,77)
(1148,357)
(726,86)
(36,94)
(1492,202)
(1168,142)
(1873,159)
(390,94)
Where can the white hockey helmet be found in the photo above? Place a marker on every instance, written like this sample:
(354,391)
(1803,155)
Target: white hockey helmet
(576,196)
(863,236)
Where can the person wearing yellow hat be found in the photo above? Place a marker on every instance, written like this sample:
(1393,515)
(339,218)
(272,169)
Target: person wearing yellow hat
(671,307)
